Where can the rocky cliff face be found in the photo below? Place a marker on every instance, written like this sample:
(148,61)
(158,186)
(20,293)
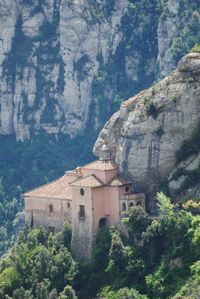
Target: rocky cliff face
(145,135)
(66,63)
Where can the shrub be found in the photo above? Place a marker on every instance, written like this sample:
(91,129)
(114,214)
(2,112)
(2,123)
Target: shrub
(160,132)
(153,110)
(195,49)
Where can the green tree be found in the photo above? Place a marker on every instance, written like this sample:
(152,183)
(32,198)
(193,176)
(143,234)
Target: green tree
(63,269)
(22,294)
(53,294)
(42,291)
(36,266)
(164,204)
(9,279)
(68,293)
(123,293)
(66,235)
(137,222)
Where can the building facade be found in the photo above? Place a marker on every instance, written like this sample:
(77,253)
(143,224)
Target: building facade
(88,197)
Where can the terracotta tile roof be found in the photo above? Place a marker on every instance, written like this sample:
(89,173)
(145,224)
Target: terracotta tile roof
(57,189)
(117,181)
(100,165)
(87,181)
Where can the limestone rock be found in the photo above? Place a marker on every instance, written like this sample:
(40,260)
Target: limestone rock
(53,54)
(167,31)
(146,133)
(32,25)
(80,45)
(49,50)
(180,174)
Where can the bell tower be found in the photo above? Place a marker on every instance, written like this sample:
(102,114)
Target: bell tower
(104,153)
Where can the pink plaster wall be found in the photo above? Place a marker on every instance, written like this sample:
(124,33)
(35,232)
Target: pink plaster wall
(42,204)
(122,190)
(98,206)
(105,205)
(38,207)
(112,204)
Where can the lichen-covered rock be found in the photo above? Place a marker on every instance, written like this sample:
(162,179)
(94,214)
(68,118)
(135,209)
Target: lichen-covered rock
(184,177)
(149,129)
(167,32)
(48,61)
(64,62)
(80,45)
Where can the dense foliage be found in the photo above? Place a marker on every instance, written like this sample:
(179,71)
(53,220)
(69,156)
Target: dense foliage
(39,266)
(158,258)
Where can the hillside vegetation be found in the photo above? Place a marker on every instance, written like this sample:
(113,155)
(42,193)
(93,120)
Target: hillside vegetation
(52,105)
(158,259)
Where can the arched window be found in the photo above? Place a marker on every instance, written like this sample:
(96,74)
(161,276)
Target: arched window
(123,206)
(131,204)
(102,222)
(127,189)
(139,203)
(82,191)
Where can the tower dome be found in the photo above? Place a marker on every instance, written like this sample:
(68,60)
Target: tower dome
(104,153)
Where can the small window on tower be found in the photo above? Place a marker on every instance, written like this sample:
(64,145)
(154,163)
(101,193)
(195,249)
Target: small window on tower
(82,211)
(127,189)
(50,208)
(68,204)
(82,191)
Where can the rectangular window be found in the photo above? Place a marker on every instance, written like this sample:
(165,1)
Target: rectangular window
(50,208)
(82,211)
(68,204)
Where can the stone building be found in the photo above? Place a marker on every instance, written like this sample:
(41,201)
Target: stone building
(88,197)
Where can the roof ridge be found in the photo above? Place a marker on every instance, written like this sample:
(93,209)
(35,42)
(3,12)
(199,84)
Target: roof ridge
(98,179)
(113,179)
(80,178)
(86,176)
(120,178)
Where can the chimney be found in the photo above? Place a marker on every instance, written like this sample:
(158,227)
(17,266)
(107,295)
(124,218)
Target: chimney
(78,172)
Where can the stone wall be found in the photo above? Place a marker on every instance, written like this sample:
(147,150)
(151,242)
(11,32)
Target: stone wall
(38,212)
(82,227)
